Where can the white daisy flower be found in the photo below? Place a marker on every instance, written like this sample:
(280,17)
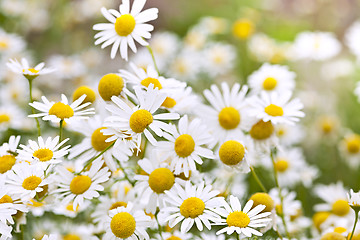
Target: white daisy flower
(194,204)
(219,59)
(25,181)
(177,235)
(354,198)
(226,116)
(25,69)
(44,152)
(185,145)
(186,65)
(5,230)
(8,152)
(272,78)
(133,122)
(68,209)
(11,116)
(350,147)
(95,142)
(49,237)
(276,107)
(352,38)
(10,43)
(69,230)
(127,223)
(86,185)
(232,153)
(289,135)
(243,221)
(181,100)
(125,26)
(261,138)
(55,112)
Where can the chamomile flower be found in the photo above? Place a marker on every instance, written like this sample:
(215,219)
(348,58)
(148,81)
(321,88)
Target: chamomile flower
(350,147)
(232,153)
(133,122)
(276,107)
(262,136)
(186,145)
(11,116)
(226,118)
(25,69)
(86,185)
(8,153)
(25,181)
(271,78)
(354,199)
(219,59)
(45,152)
(194,204)
(10,43)
(176,235)
(289,135)
(58,111)
(50,237)
(242,220)
(127,223)
(125,26)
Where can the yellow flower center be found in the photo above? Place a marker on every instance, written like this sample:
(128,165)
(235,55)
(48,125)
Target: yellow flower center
(243,28)
(35,203)
(110,85)
(61,110)
(169,102)
(4,118)
(146,82)
(184,145)
(192,207)
(332,236)
(264,199)
(261,130)
(269,83)
(6,163)
(340,229)
(140,120)
(327,125)
(90,94)
(124,25)
(32,70)
(280,132)
(118,204)
(123,225)
(80,184)
(98,140)
(6,199)
(43,154)
(229,118)
(4,45)
(71,237)
(319,218)
(32,182)
(161,179)
(353,144)
(340,207)
(173,238)
(238,219)
(231,152)
(274,110)
(281,165)
(70,207)
(279,209)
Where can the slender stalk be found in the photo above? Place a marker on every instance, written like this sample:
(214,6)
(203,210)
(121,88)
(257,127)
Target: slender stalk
(280,195)
(126,176)
(92,159)
(238,236)
(356,220)
(159,226)
(32,109)
(153,58)
(60,130)
(258,179)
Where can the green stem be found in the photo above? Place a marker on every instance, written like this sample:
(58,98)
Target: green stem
(153,58)
(159,226)
(92,159)
(126,176)
(258,179)
(60,130)
(280,195)
(356,220)
(32,109)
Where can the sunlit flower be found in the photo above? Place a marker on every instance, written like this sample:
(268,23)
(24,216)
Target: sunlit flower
(25,69)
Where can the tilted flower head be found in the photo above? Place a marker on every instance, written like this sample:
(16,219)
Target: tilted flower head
(25,69)
(8,153)
(125,26)
(57,111)
(354,199)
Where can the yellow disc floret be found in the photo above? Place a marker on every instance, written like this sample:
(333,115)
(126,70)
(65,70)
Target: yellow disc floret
(146,82)
(173,238)
(118,204)
(140,120)
(353,144)
(281,165)
(61,110)
(231,152)
(6,163)
(229,118)
(243,28)
(4,118)
(31,183)
(319,218)
(90,94)
(269,83)
(332,236)
(124,25)
(6,199)
(123,225)
(192,207)
(340,207)
(264,199)
(43,154)
(274,110)
(71,237)
(161,179)
(184,145)
(169,102)
(80,184)
(238,219)
(261,130)
(98,140)
(32,70)
(110,85)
